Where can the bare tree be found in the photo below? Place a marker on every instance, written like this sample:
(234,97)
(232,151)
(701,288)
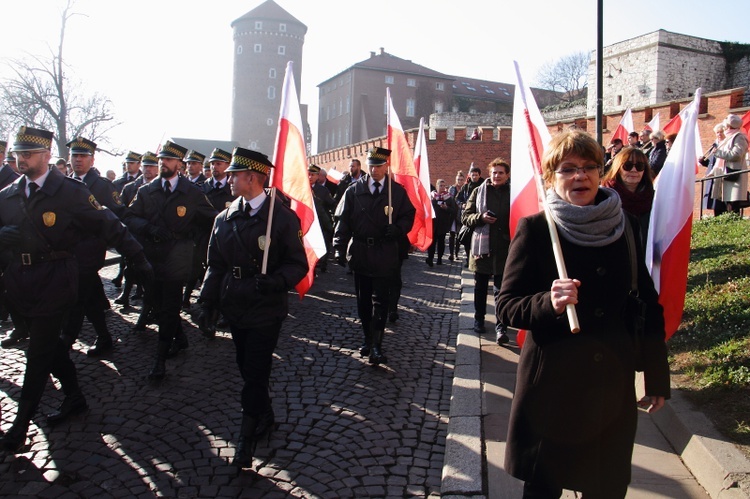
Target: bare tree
(567,75)
(40,94)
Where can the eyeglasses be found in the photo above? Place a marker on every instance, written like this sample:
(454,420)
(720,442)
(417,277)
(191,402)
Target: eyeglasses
(24,154)
(639,166)
(570,172)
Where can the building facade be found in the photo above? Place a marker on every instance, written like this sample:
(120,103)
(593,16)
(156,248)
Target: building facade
(265,39)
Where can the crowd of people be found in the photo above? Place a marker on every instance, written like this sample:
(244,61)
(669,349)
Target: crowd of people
(184,222)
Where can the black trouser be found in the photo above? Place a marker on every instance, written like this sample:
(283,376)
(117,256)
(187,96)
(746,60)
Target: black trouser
(534,490)
(47,354)
(453,244)
(437,242)
(394,290)
(481,285)
(89,304)
(167,300)
(372,300)
(254,356)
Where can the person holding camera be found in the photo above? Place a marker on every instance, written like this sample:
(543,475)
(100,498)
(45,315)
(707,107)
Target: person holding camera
(488,214)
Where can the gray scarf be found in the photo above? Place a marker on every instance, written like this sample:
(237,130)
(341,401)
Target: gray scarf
(594,225)
(480,239)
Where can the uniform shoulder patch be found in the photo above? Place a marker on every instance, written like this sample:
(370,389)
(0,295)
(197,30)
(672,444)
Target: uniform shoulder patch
(95,203)
(116,198)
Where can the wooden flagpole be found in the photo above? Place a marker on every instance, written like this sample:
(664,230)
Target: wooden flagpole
(267,243)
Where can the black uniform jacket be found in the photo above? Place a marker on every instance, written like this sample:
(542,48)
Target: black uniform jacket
(123,180)
(220,198)
(42,276)
(362,219)
(573,416)
(184,212)
(130,189)
(7,176)
(235,256)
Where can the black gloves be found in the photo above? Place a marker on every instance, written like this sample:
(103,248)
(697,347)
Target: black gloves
(207,320)
(391,232)
(10,235)
(340,258)
(159,234)
(142,268)
(269,283)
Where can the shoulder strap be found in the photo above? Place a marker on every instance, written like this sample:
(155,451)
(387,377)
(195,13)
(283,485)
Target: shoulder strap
(630,239)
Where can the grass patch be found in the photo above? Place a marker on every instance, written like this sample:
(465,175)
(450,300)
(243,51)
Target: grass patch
(710,353)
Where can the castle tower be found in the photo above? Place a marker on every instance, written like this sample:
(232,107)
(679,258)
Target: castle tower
(265,39)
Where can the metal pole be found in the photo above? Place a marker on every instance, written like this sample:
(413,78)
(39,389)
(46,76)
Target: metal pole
(599,67)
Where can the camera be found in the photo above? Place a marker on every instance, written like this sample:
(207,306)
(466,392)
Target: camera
(491,213)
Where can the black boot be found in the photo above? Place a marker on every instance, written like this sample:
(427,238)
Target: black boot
(72,404)
(178,344)
(124,298)
(160,366)
(15,336)
(144,319)
(15,439)
(243,456)
(364,350)
(376,355)
(102,346)
(265,422)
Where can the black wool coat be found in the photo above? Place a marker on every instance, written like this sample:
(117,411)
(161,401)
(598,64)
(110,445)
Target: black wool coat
(573,417)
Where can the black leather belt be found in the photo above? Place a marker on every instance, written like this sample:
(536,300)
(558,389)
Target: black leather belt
(369,241)
(240,272)
(30,259)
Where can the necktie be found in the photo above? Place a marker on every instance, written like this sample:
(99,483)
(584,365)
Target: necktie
(32,189)
(247,208)
(167,188)
(377,188)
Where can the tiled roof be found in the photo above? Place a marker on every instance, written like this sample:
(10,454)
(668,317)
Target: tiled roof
(268,10)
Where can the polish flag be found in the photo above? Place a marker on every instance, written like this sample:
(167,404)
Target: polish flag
(653,124)
(529,137)
(624,128)
(334,176)
(422,164)
(290,177)
(673,125)
(746,123)
(405,173)
(668,245)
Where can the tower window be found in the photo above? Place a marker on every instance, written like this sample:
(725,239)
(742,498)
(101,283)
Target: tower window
(282,50)
(389,79)
(410,105)
(411,82)
(282,27)
(271,93)
(272,73)
(258,24)
(257,48)
(239,49)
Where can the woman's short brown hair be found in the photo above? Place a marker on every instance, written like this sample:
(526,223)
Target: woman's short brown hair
(499,162)
(632,154)
(566,143)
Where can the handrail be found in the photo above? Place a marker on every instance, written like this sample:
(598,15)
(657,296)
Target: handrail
(714,177)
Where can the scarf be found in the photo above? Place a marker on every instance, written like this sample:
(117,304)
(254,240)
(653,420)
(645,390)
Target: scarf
(480,239)
(595,225)
(440,197)
(636,203)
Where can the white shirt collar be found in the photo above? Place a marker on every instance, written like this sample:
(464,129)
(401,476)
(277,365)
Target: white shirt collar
(40,181)
(256,202)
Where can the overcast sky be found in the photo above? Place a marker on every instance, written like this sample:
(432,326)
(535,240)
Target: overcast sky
(167,64)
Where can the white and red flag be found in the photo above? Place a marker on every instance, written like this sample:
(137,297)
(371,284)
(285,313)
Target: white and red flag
(746,123)
(405,173)
(668,245)
(334,176)
(624,127)
(673,125)
(290,177)
(422,164)
(653,125)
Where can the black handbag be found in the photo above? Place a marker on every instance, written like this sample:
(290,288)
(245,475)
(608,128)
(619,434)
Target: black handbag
(731,178)
(464,235)
(635,308)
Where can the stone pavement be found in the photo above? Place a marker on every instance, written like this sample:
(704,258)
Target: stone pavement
(345,428)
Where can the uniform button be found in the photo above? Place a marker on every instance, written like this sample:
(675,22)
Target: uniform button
(598,357)
(601,271)
(598,312)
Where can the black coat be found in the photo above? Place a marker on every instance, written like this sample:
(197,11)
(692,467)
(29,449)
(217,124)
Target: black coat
(445,214)
(124,179)
(220,198)
(130,189)
(233,290)
(658,156)
(573,417)
(184,213)
(57,218)
(7,176)
(361,225)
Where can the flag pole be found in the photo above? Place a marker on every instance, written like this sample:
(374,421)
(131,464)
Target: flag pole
(267,243)
(390,195)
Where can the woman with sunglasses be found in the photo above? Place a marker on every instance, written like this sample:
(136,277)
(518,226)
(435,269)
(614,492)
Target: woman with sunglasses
(631,177)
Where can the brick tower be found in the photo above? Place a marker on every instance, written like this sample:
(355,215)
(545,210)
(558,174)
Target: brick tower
(265,39)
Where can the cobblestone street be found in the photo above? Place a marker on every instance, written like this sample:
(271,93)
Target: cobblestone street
(344,428)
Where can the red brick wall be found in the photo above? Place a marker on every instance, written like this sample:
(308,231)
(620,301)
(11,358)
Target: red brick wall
(447,156)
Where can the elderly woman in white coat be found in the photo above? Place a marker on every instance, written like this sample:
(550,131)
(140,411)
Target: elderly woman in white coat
(731,156)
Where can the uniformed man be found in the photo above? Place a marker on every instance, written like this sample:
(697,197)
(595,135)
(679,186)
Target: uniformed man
(324,206)
(7,174)
(371,220)
(207,169)
(10,161)
(194,165)
(91,253)
(166,212)
(254,303)
(132,166)
(150,166)
(44,216)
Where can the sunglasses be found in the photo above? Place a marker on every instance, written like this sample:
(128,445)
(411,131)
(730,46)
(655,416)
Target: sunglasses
(639,167)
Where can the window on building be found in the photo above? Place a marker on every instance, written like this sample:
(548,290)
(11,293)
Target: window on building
(439,86)
(619,100)
(282,50)
(272,73)
(348,104)
(257,48)
(269,122)
(239,49)
(411,82)
(258,24)
(271,93)
(254,145)
(385,105)
(438,106)
(411,104)
(282,27)
(389,80)
(341,107)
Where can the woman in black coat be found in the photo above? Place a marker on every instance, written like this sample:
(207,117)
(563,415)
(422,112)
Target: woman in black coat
(573,418)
